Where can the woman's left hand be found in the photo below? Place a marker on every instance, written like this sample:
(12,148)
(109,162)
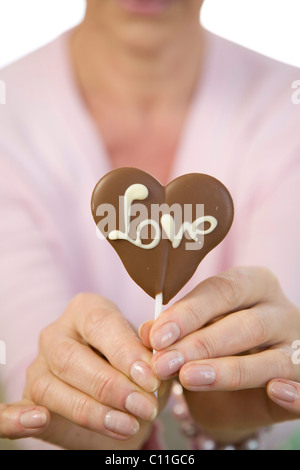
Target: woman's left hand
(229,337)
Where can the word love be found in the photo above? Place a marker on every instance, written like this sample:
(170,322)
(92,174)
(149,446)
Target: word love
(159,231)
(195,229)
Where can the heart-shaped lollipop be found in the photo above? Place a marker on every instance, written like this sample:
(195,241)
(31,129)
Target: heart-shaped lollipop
(161,233)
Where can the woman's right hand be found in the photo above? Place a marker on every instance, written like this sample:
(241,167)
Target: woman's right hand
(94,376)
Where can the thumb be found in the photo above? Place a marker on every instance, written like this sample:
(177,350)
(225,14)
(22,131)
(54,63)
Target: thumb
(286,394)
(144,332)
(22,419)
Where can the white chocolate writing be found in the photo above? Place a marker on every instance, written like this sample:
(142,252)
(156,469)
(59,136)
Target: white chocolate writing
(139,192)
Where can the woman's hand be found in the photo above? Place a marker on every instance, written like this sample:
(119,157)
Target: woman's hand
(22,419)
(286,394)
(94,376)
(228,339)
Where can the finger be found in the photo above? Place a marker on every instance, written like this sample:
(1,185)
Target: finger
(236,289)
(22,419)
(234,334)
(144,333)
(286,394)
(102,326)
(79,408)
(238,372)
(77,365)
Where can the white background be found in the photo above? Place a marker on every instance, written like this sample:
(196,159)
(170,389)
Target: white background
(268,26)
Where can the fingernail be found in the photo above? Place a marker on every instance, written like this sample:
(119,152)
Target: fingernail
(120,423)
(200,375)
(143,376)
(165,336)
(142,327)
(139,405)
(33,419)
(283,391)
(169,363)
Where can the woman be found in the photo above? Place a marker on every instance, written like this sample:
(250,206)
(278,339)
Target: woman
(139,83)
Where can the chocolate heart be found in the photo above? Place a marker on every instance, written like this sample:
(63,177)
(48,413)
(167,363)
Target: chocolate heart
(161,233)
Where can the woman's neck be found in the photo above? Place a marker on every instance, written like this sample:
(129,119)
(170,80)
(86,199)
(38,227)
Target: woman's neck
(146,75)
(138,93)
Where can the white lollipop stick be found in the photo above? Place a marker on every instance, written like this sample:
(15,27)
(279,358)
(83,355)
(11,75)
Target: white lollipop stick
(157,312)
(158,305)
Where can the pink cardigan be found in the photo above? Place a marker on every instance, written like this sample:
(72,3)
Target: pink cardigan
(242,128)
